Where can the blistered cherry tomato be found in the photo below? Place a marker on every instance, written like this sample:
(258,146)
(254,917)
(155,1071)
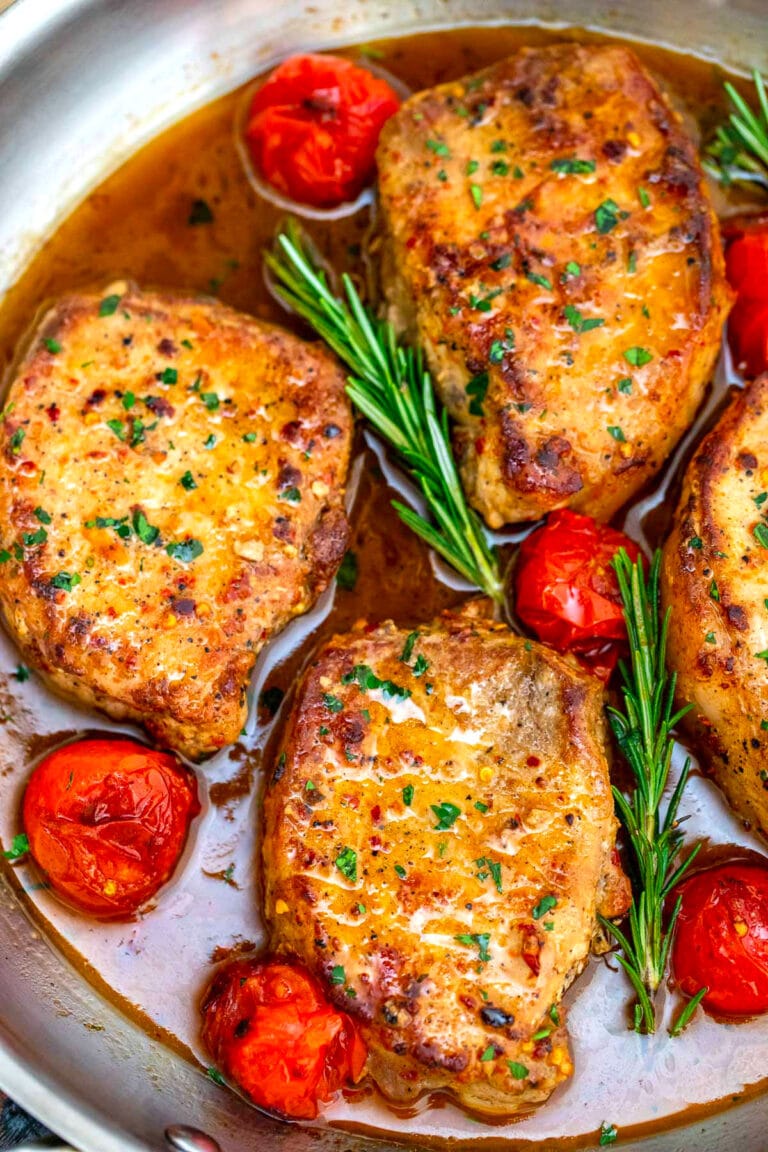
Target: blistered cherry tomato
(270,1030)
(107,821)
(746,260)
(567,592)
(721,940)
(314,126)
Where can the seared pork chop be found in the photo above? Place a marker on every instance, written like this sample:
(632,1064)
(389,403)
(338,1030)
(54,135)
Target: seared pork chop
(550,242)
(715,579)
(439,837)
(171,486)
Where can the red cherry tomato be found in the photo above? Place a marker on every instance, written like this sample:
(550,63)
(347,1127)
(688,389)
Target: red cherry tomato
(746,260)
(314,126)
(721,940)
(107,821)
(567,592)
(270,1030)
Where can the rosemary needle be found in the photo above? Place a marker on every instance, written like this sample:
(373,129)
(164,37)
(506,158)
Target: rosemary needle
(739,150)
(391,387)
(643,730)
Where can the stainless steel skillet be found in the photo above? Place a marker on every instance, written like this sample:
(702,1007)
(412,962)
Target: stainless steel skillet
(82,84)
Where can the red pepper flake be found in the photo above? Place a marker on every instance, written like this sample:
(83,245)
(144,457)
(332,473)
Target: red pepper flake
(53,412)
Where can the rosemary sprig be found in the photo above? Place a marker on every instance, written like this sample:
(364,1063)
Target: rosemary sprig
(643,731)
(391,387)
(739,150)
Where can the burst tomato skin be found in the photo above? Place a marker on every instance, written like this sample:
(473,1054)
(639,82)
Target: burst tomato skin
(269,1028)
(314,126)
(721,939)
(567,592)
(746,260)
(107,821)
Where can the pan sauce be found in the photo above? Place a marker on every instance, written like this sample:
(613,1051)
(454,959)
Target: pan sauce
(136,224)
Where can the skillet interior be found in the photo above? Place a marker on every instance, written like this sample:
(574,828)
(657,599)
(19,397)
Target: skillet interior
(65,68)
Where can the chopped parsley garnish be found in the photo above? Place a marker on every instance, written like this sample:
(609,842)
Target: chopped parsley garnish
(616,432)
(407,652)
(500,168)
(477,390)
(572,166)
(489,868)
(346,862)
(472,167)
(542,281)
(145,531)
(607,216)
(200,213)
(249,437)
(346,577)
(400,871)
(483,303)
(19,847)
(546,904)
(501,262)
(367,680)
(637,357)
(129,400)
(447,814)
(188,481)
(632,262)
(762,655)
(438,147)
(760,532)
(420,666)
(109,305)
(118,427)
(481,941)
(338,975)
(168,376)
(43,516)
(710,638)
(22,673)
(32,539)
(292,495)
(499,348)
(408,795)
(643,197)
(714,591)
(477,194)
(214,1074)
(696,542)
(572,268)
(578,322)
(65,581)
(480,806)
(53,346)
(17,439)
(332,703)
(489,1054)
(211,400)
(519,1071)
(210,442)
(499,146)
(184,550)
(608,1134)
(625,385)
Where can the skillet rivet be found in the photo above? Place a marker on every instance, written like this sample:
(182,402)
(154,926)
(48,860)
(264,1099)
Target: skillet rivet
(181,1138)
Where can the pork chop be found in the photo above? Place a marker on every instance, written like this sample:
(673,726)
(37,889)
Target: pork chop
(715,580)
(439,837)
(550,243)
(171,481)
